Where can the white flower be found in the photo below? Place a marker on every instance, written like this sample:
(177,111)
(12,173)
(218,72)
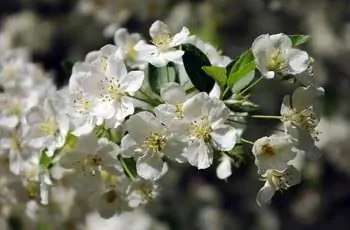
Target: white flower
(174,96)
(224,170)
(277,180)
(113,90)
(91,155)
(301,115)
(46,127)
(113,199)
(99,58)
(12,144)
(82,106)
(275,54)
(126,51)
(163,49)
(274,152)
(150,141)
(141,192)
(206,130)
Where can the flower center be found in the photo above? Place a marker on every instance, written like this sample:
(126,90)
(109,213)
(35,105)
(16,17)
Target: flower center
(305,119)
(131,51)
(155,143)
(178,110)
(92,160)
(111,91)
(48,128)
(277,180)
(81,104)
(277,61)
(268,150)
(162,41)
(201,128)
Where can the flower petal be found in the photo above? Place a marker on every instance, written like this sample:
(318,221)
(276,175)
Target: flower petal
(223,137)
(265,194)
(199,154)
(158,27)
(151,167)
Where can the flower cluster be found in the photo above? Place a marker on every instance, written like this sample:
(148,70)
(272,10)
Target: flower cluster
(132,108)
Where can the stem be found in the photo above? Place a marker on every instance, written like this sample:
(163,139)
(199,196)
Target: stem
(247,141)
(251,86)
(266,117)
(126,169)
(148,101)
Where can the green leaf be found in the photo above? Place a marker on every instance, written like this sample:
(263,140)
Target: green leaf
(158,77)
(45,160)
(218,74)
(194,59)
(298,40)
(243,82)
(242,66)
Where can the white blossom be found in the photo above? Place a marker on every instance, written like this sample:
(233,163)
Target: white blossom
(277,180)
(47,127)
(275,54)
(150,144)
(301,115)
(206,129)
(126,51)
(274,152)
(164,45)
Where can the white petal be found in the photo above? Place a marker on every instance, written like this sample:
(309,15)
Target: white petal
(84,129)
(124,108)
(181,37)
(199,154)
(223,137)
(151,167)
(173,93)
(281,41)
(132,81)
(223,171)
(173,56)
(298,61)
(35,115)
(128,146)
(292,176)
(265,194)
(196,106)
(144,48)
(141,125)
(116,68)
(121,37)
(262,49)
(215,92)
(158,27)
(9,122)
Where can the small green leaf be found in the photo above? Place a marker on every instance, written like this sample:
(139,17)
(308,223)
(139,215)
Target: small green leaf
(242,66)
(243,82)
(217,73)
(45,160)
(158,77)
(194,59)
(298,40)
